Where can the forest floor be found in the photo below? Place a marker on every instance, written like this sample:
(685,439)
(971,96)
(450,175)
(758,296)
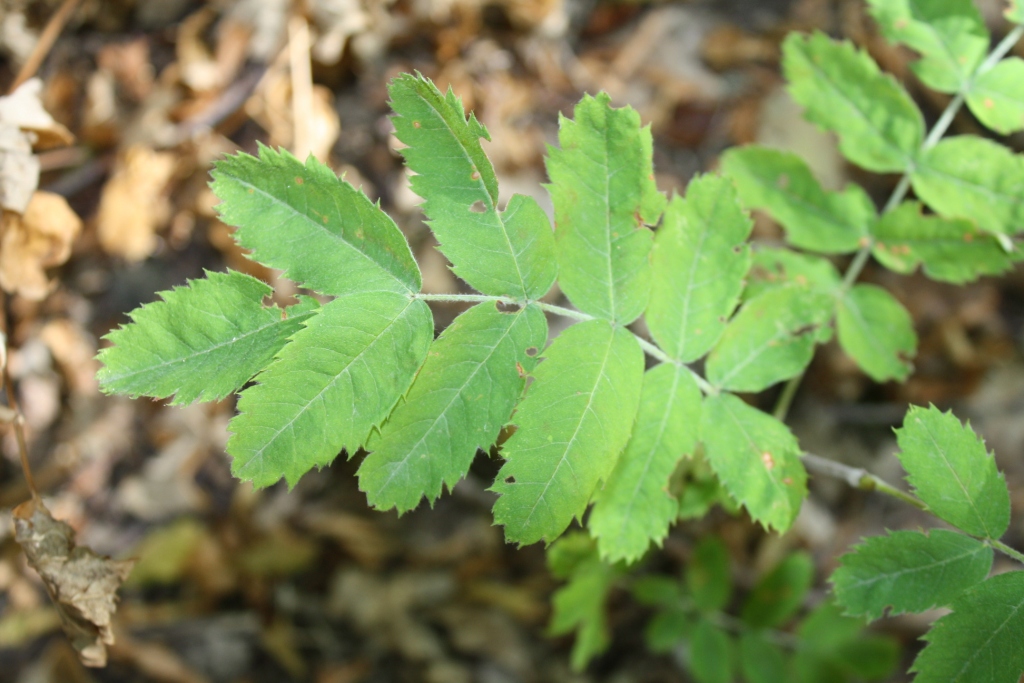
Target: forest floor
(234,585)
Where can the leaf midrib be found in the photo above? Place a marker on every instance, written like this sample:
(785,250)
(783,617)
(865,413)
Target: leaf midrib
(399,464)
(340,237)
(563,459)
(492,201)
(259,453)
(215,347)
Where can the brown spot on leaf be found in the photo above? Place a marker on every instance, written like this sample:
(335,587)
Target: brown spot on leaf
(298,180)
(768,460)
(415,124)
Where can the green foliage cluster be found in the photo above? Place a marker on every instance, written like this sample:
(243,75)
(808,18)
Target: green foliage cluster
(358,369)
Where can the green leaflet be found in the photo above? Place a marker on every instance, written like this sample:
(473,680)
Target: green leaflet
(708,575)
(761,660)
(459,401)
(572,425)
(756,458)
(287,212)
(997,96)
(879,126)
(781,183)
(775,268)
(907,571)
(700,258)
(338,378)
(968,177)
(580,604)
(509,253)
(950,250)
(953,473)
(950,36)
(980,642)
(711,654)
(201,342)
(835,649)
(635,507)
(877,332)
(602,186)
(779,593)
(771,339)
(1015,12)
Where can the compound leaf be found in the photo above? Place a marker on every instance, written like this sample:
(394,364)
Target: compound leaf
(202,342)
(953,473)
(602,186)
(711,653)
(459,401)
(635,507)
(580,604)
(876,331)
(572,425)
(907,571)
(950,36)
(843,90)
(980,641)
(979,180)
(322,232)
(950,250)
(756,458)
(996,96)
(774,268)
(708,575)
(780,592)
(338,378)
(771,339)
(781,183)
(501,253)
(699,261)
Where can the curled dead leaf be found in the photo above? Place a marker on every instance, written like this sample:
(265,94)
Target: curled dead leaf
(40,238)
(82,584)
(134,203)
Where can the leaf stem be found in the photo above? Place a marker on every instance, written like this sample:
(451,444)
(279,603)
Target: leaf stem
(859,478)
(786,397)
(651,349)
(1006,550)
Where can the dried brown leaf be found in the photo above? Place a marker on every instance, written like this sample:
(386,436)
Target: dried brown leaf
(39,239)
(23,109)
(134,203)
(82,585)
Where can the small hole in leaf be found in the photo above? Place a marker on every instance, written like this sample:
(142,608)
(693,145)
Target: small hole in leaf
(510,480)
(532,351)
(478,206)
(506,308)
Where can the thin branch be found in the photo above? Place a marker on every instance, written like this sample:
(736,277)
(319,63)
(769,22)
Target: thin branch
(858,478)
(42,47)
(18,422)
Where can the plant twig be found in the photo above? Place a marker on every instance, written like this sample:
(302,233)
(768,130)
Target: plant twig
(859,478)
(18,422)
(42,47)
